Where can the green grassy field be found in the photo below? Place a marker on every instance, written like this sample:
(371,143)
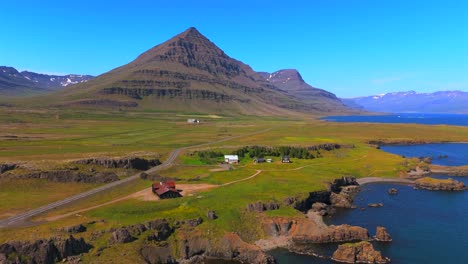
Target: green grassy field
(48,138)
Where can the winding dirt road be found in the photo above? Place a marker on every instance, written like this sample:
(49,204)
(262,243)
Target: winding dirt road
(21,218)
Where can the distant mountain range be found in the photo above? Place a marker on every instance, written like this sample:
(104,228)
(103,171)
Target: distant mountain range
(406,102)
(290,80)
(190,73)
(14,83)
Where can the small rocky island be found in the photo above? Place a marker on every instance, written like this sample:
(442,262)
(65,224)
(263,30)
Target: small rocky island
(361,252)
(434,184)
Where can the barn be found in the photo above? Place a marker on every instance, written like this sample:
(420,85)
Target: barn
(165,190)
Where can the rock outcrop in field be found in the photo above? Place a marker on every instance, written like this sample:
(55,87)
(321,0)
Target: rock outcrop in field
(125,163)
(42,251)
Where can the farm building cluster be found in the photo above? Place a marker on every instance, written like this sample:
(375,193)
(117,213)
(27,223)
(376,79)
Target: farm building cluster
(234,159)
(166,190)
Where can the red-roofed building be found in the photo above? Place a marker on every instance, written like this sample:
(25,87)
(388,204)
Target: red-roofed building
(166,189)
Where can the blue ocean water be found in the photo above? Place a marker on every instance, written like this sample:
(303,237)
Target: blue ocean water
(452,154)
(406,118)
(428,227)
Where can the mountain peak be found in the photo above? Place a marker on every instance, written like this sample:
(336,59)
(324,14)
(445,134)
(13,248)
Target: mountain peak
(191,32)
(285,76)
(290,80)
(194,51)
(190,48)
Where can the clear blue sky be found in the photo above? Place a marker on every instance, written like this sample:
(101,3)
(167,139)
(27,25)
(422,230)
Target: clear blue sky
(351,48)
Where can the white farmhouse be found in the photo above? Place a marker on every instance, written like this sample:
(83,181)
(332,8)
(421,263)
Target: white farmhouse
(231,159)
(193,121)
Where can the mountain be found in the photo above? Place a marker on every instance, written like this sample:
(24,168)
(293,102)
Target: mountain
(403,102)
(186,73)
(290,80)
(13,83)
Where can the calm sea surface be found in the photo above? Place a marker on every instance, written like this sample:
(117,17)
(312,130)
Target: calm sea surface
(427,227)
(406,118)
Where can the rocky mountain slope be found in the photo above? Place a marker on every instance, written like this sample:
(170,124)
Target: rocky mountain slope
(402,102)
(13,82)
(290,80)
(187,73)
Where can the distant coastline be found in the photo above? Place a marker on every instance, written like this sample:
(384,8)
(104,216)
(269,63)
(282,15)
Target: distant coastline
(402,118)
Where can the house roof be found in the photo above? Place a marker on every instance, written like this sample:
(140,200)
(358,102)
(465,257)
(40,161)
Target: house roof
(163,187)
(231,157)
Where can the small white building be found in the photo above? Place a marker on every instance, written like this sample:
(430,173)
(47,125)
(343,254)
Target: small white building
(193,121)
(231,159)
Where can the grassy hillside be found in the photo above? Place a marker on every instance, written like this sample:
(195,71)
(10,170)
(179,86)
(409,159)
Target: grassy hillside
(47,138)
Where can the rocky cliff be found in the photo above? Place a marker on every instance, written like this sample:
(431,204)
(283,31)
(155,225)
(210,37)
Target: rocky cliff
(303,230)
(381,234)
(125,163)
(362,252)
(42,251)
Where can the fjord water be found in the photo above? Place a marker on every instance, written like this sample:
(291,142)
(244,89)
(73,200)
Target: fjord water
(406,118)
(428,227)
(446,154)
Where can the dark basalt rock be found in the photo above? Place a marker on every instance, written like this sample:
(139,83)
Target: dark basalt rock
(7,167)
(194,222)
(162,229)
(340,193)
(337,184)
(211,215)
(126,163)
(42,251)
(75,229)
(261,206)
(121,235)
(229,247)
(314,197)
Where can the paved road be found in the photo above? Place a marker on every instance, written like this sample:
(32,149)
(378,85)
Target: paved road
(20,218)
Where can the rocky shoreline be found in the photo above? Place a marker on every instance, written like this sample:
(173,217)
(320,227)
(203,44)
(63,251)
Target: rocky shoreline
(290,235)
(172,241)
(433,184)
